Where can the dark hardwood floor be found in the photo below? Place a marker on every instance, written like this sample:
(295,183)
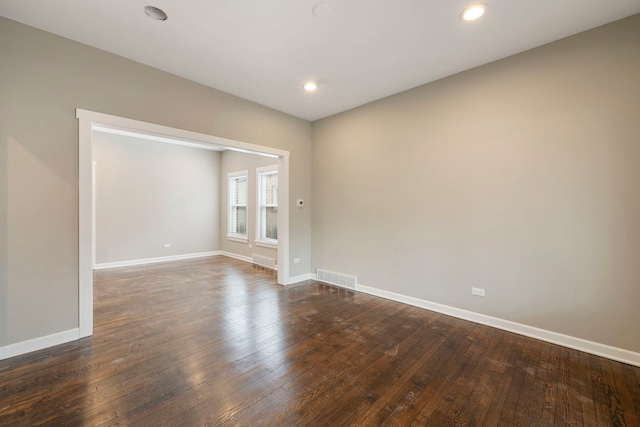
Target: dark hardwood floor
(215,341)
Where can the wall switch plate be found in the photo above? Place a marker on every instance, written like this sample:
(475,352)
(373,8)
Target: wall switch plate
(167,245)
(479,292)
(296,260)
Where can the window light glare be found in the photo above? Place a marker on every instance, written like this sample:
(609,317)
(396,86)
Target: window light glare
(310,86)
(473,12)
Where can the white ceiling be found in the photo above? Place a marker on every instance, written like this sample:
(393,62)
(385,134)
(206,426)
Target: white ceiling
(363,50)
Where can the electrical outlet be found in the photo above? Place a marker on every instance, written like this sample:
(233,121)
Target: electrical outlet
(296,260)
(479,292)
(167,245)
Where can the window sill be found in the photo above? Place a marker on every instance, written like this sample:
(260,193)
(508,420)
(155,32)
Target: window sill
(235,238)
(266,244)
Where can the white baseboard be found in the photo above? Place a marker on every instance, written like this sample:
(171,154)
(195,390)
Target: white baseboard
(246,259)
(301,278)
(598,349)
(236,256)
(154,260)
(603,350)
(39,343)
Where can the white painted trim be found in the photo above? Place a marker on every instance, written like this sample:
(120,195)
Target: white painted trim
(603,350)
(237,239)
(266,244)
(283,220)
(258,231)
(236,256)
(85,227)
(122,123)
(93,212)
(301,278)
(147,137)
(231,234)
(39,343)
(154,260)
(245,259)
(86,120)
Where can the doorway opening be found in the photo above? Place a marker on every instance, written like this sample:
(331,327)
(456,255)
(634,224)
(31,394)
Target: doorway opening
(88,121)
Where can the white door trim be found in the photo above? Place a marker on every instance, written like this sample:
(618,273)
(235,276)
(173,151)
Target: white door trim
(86,121)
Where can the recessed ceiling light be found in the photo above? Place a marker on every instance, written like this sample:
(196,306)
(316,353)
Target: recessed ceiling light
(321,10)
(473,12)
(155,13)
(310,86)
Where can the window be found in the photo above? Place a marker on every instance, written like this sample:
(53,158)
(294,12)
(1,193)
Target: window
(237,219)
(267,223)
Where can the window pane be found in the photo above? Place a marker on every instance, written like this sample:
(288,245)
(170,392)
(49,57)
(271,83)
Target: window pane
(267,224)
(271,228)
(240,219)
(271,188)
(240,198)
(238,187)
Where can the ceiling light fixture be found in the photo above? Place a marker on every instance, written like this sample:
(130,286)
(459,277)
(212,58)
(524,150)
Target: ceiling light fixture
(321,10)
(310,86)
(155,13)
(473,12)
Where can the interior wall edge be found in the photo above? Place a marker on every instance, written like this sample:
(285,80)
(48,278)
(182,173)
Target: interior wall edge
(39,343)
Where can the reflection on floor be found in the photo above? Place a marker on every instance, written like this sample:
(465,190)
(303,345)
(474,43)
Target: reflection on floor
(216,341)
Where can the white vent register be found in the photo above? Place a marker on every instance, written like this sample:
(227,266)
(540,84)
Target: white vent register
(264,261)
(337,279)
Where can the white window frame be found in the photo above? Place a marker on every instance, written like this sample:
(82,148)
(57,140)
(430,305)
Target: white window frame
(231,231)
(262,240)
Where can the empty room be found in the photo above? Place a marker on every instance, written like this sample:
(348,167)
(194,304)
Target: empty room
(319,213)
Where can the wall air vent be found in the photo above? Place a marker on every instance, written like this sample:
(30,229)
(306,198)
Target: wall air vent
(338,279)
(264,261)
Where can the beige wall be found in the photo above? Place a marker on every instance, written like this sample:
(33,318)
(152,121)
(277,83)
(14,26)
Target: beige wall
(232,161)
(43,79)
(150,193)
(521,177)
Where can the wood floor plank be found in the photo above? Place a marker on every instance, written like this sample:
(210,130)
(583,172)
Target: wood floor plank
(614,375)
(548,384)
(439,377)
(493,391)
(336,344)
(502,382)
(450,409)
(606,398)
(532,386)
(215,341)
(471,389)
(631,376)
(397,352)
(399,393)
(345,366)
